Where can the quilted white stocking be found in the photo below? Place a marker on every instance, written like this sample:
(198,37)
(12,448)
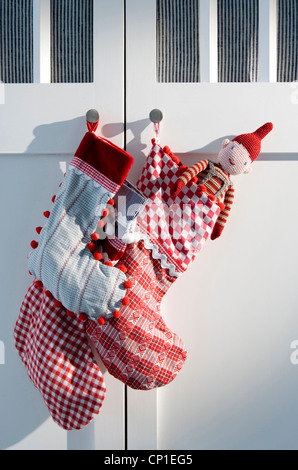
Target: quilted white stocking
(71,285)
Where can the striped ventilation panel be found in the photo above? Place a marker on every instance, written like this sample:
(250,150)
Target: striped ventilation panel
(178,56)
(287,41)
(71,41)
(238,38)
(16,41)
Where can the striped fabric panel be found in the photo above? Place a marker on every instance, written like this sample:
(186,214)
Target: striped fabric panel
(238,37)
(213,185)
(71,41)
(16,41)
(287,41)
(228,201)
(178,58)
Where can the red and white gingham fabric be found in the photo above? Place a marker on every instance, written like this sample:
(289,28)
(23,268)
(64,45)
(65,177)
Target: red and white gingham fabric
(138,348)
(178,227)
(55,351)
(94,174)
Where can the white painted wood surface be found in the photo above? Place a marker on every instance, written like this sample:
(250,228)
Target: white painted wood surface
(41,126)
(236,307)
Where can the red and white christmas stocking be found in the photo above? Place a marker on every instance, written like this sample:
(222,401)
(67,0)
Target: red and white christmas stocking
(58,360)
(137,347)
(72,285)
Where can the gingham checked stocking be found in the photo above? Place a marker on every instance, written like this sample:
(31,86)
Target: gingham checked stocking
(71,285)
(58,360)
(138,348)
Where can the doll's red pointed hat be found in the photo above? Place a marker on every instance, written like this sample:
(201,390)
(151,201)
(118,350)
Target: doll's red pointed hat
(252,142)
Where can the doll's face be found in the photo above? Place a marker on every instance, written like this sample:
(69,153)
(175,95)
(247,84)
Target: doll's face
(234,158)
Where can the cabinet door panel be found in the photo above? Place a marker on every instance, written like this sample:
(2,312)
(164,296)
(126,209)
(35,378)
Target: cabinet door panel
(235,307)
(42,124)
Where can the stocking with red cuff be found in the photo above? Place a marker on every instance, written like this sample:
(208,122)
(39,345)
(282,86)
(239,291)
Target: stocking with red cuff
(72,285)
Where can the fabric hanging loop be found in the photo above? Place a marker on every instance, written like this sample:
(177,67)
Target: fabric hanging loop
(92,126)
(157,132)
(156,117)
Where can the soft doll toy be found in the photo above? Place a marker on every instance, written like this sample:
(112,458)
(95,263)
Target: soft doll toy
(234,158)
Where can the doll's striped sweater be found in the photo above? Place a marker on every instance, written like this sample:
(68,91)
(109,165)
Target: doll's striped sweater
(201,170)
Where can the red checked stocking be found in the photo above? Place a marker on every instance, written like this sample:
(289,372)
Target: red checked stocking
(58,359)
(138,348)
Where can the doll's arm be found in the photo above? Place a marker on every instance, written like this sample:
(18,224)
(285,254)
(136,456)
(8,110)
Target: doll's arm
(223,216)
(188,175)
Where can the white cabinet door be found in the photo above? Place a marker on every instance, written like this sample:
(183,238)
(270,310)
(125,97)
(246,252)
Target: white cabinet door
(42,124)
(236,307)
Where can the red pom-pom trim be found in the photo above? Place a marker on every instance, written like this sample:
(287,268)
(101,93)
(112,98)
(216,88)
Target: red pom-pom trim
(127,284)
(125,301)
(167,150)
(58,304)
(97,255)
(101,224)
(39,284)
(195,180)
(38,230)
(101,321)
(111,202)
(47,214)
(105,212)
(183,167)
(70,314)
(48,294)
(83,317)
(117,314)
(53,198)
(202,188)
(123,268)
(212,197)
(175,159)
(91,247)
(108,263)
(34,244)
(221,205)
(95,237)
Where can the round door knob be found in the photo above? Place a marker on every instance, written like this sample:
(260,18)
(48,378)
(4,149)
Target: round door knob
(156,115)
(92,116)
